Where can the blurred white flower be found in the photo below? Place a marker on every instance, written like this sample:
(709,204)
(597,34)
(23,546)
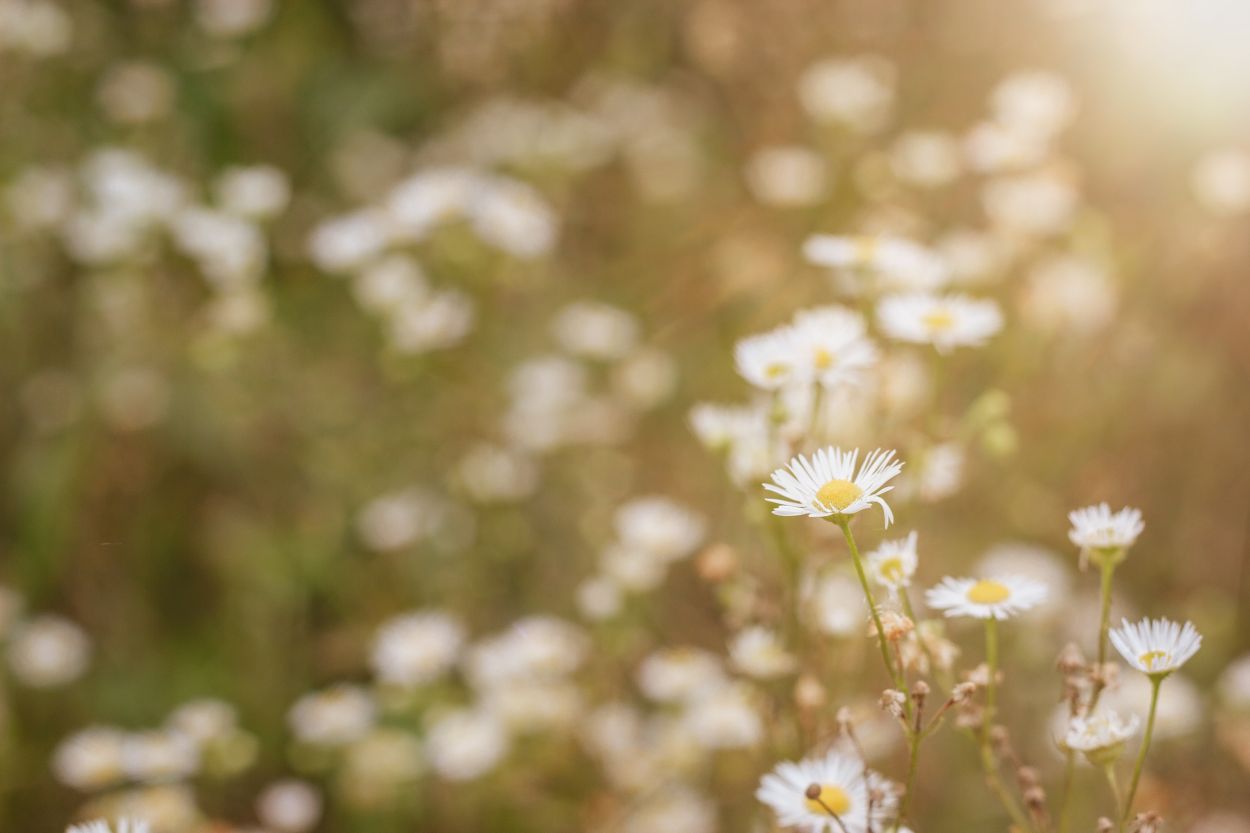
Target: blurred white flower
(349,241)
(536,647)
(289,806)
(1037,204)
(788,175)
(893,263)
(679,674)
(599,598)
(645,378)
(672,808)
(660,526)
(857,93)
(398,519)
(40,198)
(495,474)
(1071,294)
(724,718)
(1033,103)
(36,27)
(436,322)
(123,825)
(334,716)
(1181,706)
(1100,735)
(134,92)
(759,652)
(203,720)
(1234,684)
(513,217)
(48,651)
(379,765)
(91,759)
(926,158)
(232,18)
(255,192)
(945,321)
(155,757)
(1221,181)
(836,604)
(465,744)
(416,648)
(528,707)
(390,284)
(595,330)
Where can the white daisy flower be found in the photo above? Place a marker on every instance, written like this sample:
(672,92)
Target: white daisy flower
(769,360)
(987,598)
(893,563)
(1156,647)
(828,483)
(945,321)
(833,342)
(1101,735)
(837,785)
(1098,528)
(894,262)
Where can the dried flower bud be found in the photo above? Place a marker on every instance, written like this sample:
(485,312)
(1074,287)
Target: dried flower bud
(919,692)
(844,719)
(1035,800)
(1105,825)
(1148,822)
(1105,675)
(1028,776)
(894,625)
(812,792)
(962,692)
(892,701)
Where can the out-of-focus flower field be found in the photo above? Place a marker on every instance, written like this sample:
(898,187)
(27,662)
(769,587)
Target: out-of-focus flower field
(390,386)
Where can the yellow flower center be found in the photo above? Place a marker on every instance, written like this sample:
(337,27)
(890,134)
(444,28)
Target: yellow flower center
(776,370)
(832,799)
(839,494)
(1149,659)
(939,319)
(892,568)
(824,359)
(986,592)
(865,249)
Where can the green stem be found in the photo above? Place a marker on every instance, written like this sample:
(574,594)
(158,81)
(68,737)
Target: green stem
(1069,773)
(1109,771)
(1107,569)
(991,687)
(913,758)
(1155,683)
(899,683)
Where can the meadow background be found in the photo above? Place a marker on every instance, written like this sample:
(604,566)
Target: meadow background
(228,459)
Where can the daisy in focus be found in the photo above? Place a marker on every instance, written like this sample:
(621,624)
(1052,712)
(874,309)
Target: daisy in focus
(1100,736)
(1097,528)
(893,563)
(945,321)
(830,484)
(828,794)
(1156,647)
(987,598)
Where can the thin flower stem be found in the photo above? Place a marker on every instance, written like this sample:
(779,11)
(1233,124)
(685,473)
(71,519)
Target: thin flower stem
(1109,770)
(1107,569)
(1069,775)
(1155,683)
(899,683)
(991,687)
(909,785)
(987,755)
